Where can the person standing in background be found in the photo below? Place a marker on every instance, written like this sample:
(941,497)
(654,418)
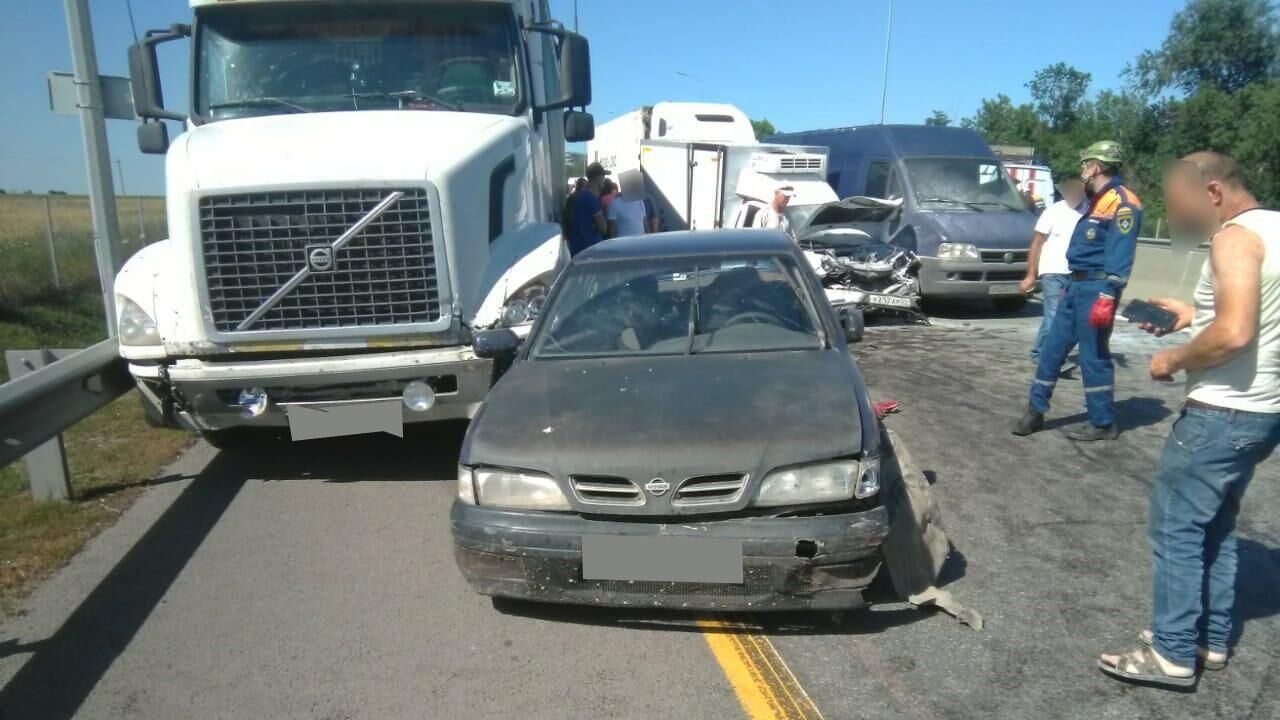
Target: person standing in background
(1229,423)
(628,213)
(774,217)
(587,224)
(1047,258)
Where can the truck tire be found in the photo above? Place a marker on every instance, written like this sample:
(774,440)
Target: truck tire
(244,439)
(1010,304)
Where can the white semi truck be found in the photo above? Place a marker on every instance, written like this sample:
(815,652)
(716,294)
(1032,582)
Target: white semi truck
(357,189)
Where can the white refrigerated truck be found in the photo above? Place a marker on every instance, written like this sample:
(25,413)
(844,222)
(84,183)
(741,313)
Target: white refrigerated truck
(358,189)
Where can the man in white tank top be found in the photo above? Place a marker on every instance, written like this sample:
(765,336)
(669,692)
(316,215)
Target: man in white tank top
(1229,423)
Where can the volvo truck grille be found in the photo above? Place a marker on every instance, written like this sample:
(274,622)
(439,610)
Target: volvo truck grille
(288,260)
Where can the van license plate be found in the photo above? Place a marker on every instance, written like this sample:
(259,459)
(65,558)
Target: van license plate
(662,559)
(894,301)
(1005,289)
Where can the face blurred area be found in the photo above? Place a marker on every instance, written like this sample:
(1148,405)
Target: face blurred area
(1072,191)
(1193,204)
(780,200)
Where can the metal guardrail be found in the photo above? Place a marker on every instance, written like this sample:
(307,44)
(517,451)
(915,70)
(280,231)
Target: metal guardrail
(48,392)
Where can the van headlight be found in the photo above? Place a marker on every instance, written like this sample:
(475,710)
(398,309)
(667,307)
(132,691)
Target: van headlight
(960,251)
(517,489)
(819,483)
(135,326)
(523,307)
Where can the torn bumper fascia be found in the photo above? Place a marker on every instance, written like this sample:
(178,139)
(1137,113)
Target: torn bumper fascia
(792,563)
(201,390)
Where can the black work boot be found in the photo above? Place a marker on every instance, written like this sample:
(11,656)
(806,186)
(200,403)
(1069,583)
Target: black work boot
(1092,433)
(1030,422)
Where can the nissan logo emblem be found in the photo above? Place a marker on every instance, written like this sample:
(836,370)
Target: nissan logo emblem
(320,258)
(657,487)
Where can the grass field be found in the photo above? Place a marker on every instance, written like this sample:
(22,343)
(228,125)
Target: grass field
(26,271)
(112,454)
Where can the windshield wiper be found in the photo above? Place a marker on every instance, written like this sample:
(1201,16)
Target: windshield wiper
(994,203)
(971,205)
(402,95)
(259,102)
(694,311)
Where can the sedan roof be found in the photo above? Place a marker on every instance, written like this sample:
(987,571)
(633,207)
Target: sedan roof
(689,243)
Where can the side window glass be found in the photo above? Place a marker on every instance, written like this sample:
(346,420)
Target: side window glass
(878,174)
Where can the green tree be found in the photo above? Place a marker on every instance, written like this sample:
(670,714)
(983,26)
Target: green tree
(938,119)
(1058,92)
(1002,122)
(763,128)
(1227,43)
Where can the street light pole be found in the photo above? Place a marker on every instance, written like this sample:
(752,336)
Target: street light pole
(696,79)
(884,83)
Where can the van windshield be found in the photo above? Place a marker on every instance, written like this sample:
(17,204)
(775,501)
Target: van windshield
(978,184)
(302,57)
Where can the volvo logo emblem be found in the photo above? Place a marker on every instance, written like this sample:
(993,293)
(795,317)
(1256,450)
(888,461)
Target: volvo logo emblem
(657,487)
(1008,258)
(320,258)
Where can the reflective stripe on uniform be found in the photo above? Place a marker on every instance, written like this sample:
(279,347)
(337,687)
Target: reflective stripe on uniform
(1046,383)
(1099,388)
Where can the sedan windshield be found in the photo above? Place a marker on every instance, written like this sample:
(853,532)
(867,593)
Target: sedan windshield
(978,184)
(303,57)
(678,306)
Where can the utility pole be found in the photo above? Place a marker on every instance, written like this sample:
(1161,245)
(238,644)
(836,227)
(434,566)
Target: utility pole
(120,174)
(575,15)
(93,126)
(884,83)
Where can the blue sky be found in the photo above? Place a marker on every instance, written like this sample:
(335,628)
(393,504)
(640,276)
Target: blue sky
(803,64)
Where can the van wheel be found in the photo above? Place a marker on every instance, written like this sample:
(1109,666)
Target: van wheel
(244,439)
(1010,304)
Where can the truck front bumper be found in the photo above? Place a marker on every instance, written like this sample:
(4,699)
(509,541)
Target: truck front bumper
(792,563)
(202,394)
(969,279)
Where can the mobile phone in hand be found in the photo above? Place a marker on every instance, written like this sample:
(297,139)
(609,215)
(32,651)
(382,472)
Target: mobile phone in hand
(1141,311)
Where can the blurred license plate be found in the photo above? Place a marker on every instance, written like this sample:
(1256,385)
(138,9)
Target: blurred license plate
(888,300)
(1005,289)
(661,559)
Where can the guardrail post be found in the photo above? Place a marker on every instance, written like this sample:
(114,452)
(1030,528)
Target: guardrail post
(46,465)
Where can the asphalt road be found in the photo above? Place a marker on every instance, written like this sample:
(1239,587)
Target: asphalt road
(319,583)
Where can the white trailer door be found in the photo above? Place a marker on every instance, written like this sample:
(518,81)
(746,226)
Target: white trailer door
(666,178)
(706,186)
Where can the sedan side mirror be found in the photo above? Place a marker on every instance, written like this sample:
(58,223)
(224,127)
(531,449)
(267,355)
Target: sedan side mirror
(495,344)
(852,321)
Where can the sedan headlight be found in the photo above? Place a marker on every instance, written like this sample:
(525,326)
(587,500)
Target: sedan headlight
(135,327)
(964,251)
(822,482)
(523,307)
(466,486)
(517,489)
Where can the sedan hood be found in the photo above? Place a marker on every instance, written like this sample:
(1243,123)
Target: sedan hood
(670,417)
(991,230)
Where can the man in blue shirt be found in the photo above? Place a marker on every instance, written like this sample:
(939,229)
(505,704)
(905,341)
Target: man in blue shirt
(587,224)
(1100,258)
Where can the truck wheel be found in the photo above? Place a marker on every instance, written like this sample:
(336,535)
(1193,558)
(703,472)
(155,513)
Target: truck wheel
(1010,304)
(244,439)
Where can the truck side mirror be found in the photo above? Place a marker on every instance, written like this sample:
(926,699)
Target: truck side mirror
(579,126)
(574,69)
(153,137)
(144,80)
(495,344)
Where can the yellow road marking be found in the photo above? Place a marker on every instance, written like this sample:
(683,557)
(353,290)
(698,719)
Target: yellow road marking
(765,686)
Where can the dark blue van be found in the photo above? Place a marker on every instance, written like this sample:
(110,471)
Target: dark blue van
(961,213)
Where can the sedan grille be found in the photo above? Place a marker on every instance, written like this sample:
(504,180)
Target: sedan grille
(606,490)
(253,244)
(709,490)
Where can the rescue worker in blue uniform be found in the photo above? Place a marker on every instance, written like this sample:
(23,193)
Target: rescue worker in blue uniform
(1100,257)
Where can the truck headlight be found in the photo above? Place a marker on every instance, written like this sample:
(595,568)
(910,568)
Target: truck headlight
(518,489)
(523,307)
(823,482)
(135,326)
(466,486)
(963,251)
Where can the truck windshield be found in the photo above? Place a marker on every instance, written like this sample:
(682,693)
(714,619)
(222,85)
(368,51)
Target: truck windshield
(678,306)
(313,57)
(978,184)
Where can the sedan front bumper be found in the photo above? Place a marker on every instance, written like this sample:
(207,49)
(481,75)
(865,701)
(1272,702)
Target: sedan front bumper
(791,563)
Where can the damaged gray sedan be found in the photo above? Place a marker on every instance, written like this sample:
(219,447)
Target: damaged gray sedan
(684,427)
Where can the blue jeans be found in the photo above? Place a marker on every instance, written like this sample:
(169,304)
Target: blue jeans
(1070,327)
(1206,465)
(1052,287)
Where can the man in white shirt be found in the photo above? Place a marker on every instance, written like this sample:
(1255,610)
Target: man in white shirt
(628,213)
(1047,259)
(1229,423)
(774,217)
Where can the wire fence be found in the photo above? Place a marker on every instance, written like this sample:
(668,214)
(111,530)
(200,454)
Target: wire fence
(46,242)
